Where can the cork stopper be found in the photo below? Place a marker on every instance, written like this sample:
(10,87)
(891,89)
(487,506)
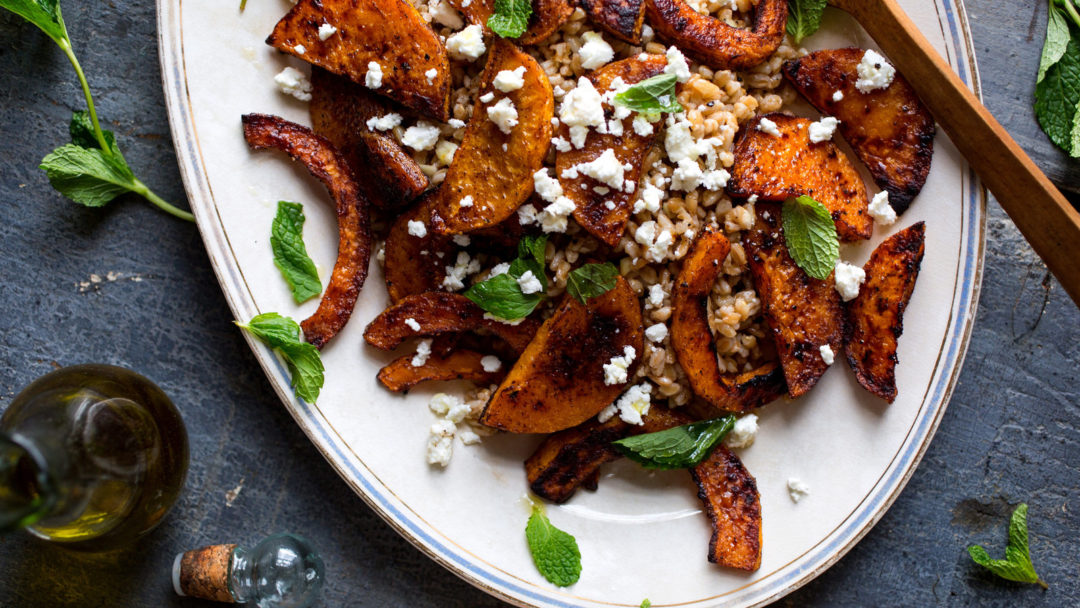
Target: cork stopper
(204,573)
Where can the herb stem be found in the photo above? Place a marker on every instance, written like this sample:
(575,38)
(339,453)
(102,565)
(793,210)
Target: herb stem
(142,190)
(65,45)
(1070,8)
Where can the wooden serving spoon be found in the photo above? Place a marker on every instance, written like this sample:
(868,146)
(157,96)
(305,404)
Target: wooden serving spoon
(1046,219)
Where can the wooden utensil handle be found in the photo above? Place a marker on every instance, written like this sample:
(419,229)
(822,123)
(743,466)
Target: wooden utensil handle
(1046,219)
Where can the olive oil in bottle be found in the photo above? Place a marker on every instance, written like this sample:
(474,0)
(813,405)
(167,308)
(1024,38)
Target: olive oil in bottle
(91,457)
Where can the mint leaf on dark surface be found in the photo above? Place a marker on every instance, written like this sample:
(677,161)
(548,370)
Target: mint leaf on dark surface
(1017,564)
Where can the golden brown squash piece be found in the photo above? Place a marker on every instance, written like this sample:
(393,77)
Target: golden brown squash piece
(693,341)
(876,316)
(559,380)
(412,265)
(390,33)
(547,16)
(890,129)
(591,208)
(779,168)
(803,313)
(493,170)
(340,108)
(715,43)
(354,236)
(622,19)
(731,500)
(401,374)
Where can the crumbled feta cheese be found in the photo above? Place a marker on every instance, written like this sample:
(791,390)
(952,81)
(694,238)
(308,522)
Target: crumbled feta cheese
(292,81)
(631,406)
(615,372)
(487,97)
(384,123)
(676,64)
(753,199)
(605,168)
(445,151)
(744,432)
(501,268)
(440,444)
(326,31)
(462,268)
(490,363)
(838,96)
(874,72)
(504,115)
(827,354)
(373,78)
(431,74)
(413,325)
(423,351)
(650,199)
(582,108)
(510,80)
(441,403)
(560,144)
(656,333)
(715,180)
(462,240)
(657,242)
(766,125)
(457,411)
(797,490)
(823,129)
(527,214)
(468,44)
(554,217)
(299,49)
(687,175)
(547,188)
(642,126)
(417,229)
(848,279)
(468,436)
(656,296)
(466,201)
(529,284)
(595,52)
(421,136)
(442,13)
(455,123)
(881,210)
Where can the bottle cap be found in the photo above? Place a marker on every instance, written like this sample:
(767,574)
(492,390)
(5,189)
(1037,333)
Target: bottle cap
(204,573)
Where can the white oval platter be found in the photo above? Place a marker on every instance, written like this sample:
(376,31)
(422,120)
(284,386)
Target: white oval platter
(641,535)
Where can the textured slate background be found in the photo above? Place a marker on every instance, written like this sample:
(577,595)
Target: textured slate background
(1011,433)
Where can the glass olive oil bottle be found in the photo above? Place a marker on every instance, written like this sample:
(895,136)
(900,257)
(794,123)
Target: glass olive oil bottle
(91,457)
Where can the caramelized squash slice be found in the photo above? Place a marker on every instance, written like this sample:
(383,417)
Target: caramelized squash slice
(890,129)
(623,19)
(778,168)
(401,374)
(354,236)
(605,215)
(715,43)
(493,171)
(340,108)
(730,496)
(803,313)
(876,316)
(547,16)
(693,341)
(390,33)
(413,265)
(559,380)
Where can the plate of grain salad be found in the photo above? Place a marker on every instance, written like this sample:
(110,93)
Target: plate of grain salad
(558,288)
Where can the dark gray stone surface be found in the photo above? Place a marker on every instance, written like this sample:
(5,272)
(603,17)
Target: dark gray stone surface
(1011,433)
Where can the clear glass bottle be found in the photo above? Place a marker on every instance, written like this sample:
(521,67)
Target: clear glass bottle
(91,457)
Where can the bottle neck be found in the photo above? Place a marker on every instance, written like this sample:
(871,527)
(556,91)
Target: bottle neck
(27,490)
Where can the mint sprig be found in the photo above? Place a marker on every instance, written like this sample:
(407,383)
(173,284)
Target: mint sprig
(651,96)
(290,254)
(90,170)
(810,234)
(804,18)
(1017,564)
(510,18)
(283,335)
(591,280)
(682,447)
(1057,87)
(554,552)
(501,295)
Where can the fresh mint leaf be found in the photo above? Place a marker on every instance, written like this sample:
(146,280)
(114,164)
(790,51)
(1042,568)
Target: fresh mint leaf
(1017,564)
(591,280)
(81,129)
(1057,38)
(645,603)
(511,18)
(88,176)
(290,254)
(533,248)
(811,238)
(501,295)
(283,335)
(651,96)
(804,18)
(554,552)
(1058,95)
(682,447)
(43,13)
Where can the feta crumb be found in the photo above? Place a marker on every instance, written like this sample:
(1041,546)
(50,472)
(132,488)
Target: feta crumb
(642,126)
(650,199)
(299,49)
(580,109)
(491,363)
(526,214)
(595,52)
(656,333)
(656,296)
(423,351)
(615,372)
(605,168)
(687,175)
(421,136)
(560,144)
(466,201)
(554,217)
(797,490)
(487,97)
(384,123)
(417,229)
(547,187)
(848,279)
(456,123)
(468,44)
(431,74)
(715,180)
(768,126)
(529,284)
(442,13)
(326,31)
(657,242)
(676,64)
(292,81)
(881,210)
(744,432)
(413,325)
(468,436)
(457,411)
(504,115)
(440,445)
(874,72)
(462,268)
(823,129)
(838,96)
(631,406)
(827,354)
(462,240)
(373,78)
(441,403)
(510,80)
(445,151)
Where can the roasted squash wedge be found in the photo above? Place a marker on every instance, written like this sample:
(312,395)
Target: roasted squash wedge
(413,265)
(559,381)
(876,315)
(715,43)
(492,172)
(730,496)
(605,213)
(623,19)
(778,168)
(802,313)
(401,374)
(889,129)
(354,235)
(389,33)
